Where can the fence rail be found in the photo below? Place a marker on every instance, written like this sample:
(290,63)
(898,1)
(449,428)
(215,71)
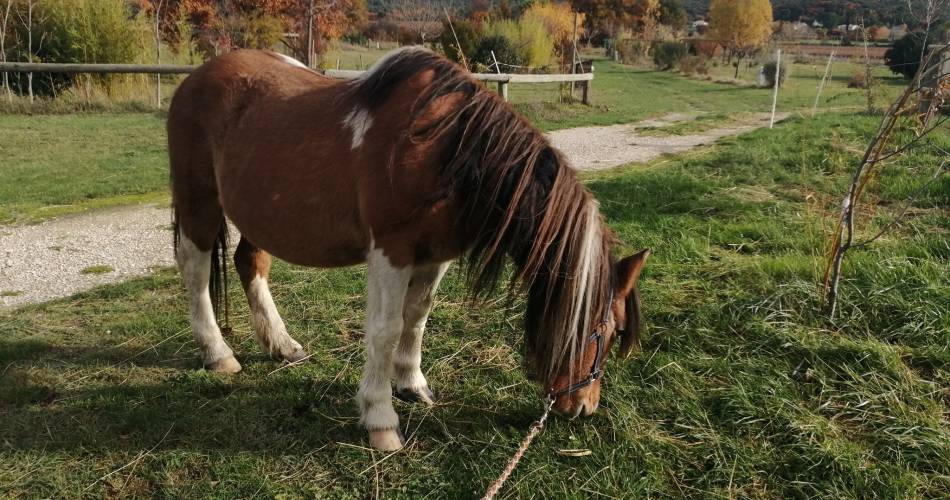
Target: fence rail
(502,79)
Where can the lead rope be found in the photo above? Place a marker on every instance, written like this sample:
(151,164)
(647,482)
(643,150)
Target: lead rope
(535,429)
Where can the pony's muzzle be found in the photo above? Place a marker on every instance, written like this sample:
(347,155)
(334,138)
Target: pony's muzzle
(581,403)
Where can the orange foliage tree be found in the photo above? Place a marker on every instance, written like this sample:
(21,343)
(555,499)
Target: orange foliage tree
(612,16)
(222,25)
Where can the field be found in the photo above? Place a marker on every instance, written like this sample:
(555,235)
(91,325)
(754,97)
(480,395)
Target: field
(743,388)
(67,163)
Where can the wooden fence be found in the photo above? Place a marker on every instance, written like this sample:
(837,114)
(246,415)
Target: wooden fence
(502,79)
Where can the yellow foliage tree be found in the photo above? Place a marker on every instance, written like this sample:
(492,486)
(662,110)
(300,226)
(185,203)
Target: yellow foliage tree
(743,26)
(558,19)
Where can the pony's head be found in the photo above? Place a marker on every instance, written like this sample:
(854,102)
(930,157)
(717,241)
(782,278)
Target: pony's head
(576,385)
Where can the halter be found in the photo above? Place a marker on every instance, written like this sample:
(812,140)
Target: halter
(595,372)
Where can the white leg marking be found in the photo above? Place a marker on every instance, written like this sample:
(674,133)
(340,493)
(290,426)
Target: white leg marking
(290,60)
(270,329)
(386,292)
(358,121)
(422,288)
(195,268)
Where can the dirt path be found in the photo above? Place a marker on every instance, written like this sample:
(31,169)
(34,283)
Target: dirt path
(63,256)
(594,148)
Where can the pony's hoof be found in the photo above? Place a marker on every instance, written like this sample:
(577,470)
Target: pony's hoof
(298,355)
(387,439)
(410,395)
(226,365)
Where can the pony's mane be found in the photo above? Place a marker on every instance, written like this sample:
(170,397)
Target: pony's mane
(519,199)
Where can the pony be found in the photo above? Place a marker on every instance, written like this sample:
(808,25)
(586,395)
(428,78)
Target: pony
(410,166)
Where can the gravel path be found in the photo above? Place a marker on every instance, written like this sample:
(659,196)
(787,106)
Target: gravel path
(594,148)
(59,257)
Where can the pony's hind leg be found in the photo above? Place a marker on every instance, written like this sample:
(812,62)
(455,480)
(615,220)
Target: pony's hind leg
(253,266)
(411,384)
(195,267)
(386,292)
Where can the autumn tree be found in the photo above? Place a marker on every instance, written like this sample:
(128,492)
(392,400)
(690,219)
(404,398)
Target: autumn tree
(612,16)
(742,26)
(421,18)
(220,25)
(558,20)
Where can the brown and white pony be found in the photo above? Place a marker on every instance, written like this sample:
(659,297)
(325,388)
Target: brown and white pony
(406,168)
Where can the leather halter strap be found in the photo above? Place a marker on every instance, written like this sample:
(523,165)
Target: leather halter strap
(595,372)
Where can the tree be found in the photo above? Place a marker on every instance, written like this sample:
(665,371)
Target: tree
(742,26)
(673,14)
(904,57)
(423,19)
(3,47)
(612,16)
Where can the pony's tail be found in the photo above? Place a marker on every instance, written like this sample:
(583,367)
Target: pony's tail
(218,280)
(218,284)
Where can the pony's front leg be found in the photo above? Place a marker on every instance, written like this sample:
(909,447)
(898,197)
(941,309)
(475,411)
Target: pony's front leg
(411,384)
(386,293)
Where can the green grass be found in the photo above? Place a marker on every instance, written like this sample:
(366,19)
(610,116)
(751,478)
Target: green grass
(59,164)
(742,389)
(98,269)
(622,94)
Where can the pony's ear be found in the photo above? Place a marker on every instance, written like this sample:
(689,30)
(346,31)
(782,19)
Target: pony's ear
(628,272)
(630,333)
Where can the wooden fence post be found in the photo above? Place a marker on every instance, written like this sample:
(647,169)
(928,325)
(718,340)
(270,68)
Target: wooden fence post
(585,92)
(503,90)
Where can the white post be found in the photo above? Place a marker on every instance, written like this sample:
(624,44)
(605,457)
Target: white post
(573,54)
(821,85)
(497,67)
(29,47)
(158,53)
(778,68)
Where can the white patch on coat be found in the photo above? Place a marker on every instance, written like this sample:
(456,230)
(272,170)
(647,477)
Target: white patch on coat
(386,293)
(359,122)
(195,268)
(293,62)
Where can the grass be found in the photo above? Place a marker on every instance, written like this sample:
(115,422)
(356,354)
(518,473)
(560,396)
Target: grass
(701,123)
(60,164)
(98,269)
(623,94)
(743,389)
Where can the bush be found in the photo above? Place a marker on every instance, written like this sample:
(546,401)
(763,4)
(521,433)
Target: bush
(666,55)
(529,37)
(768,74)
(694,65)
(469,37)
(504,51)
(904,57)
(80,31)
(858,80)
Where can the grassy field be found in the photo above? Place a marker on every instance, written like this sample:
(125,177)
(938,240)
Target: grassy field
(58,164)
(743,389)
(622,93)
